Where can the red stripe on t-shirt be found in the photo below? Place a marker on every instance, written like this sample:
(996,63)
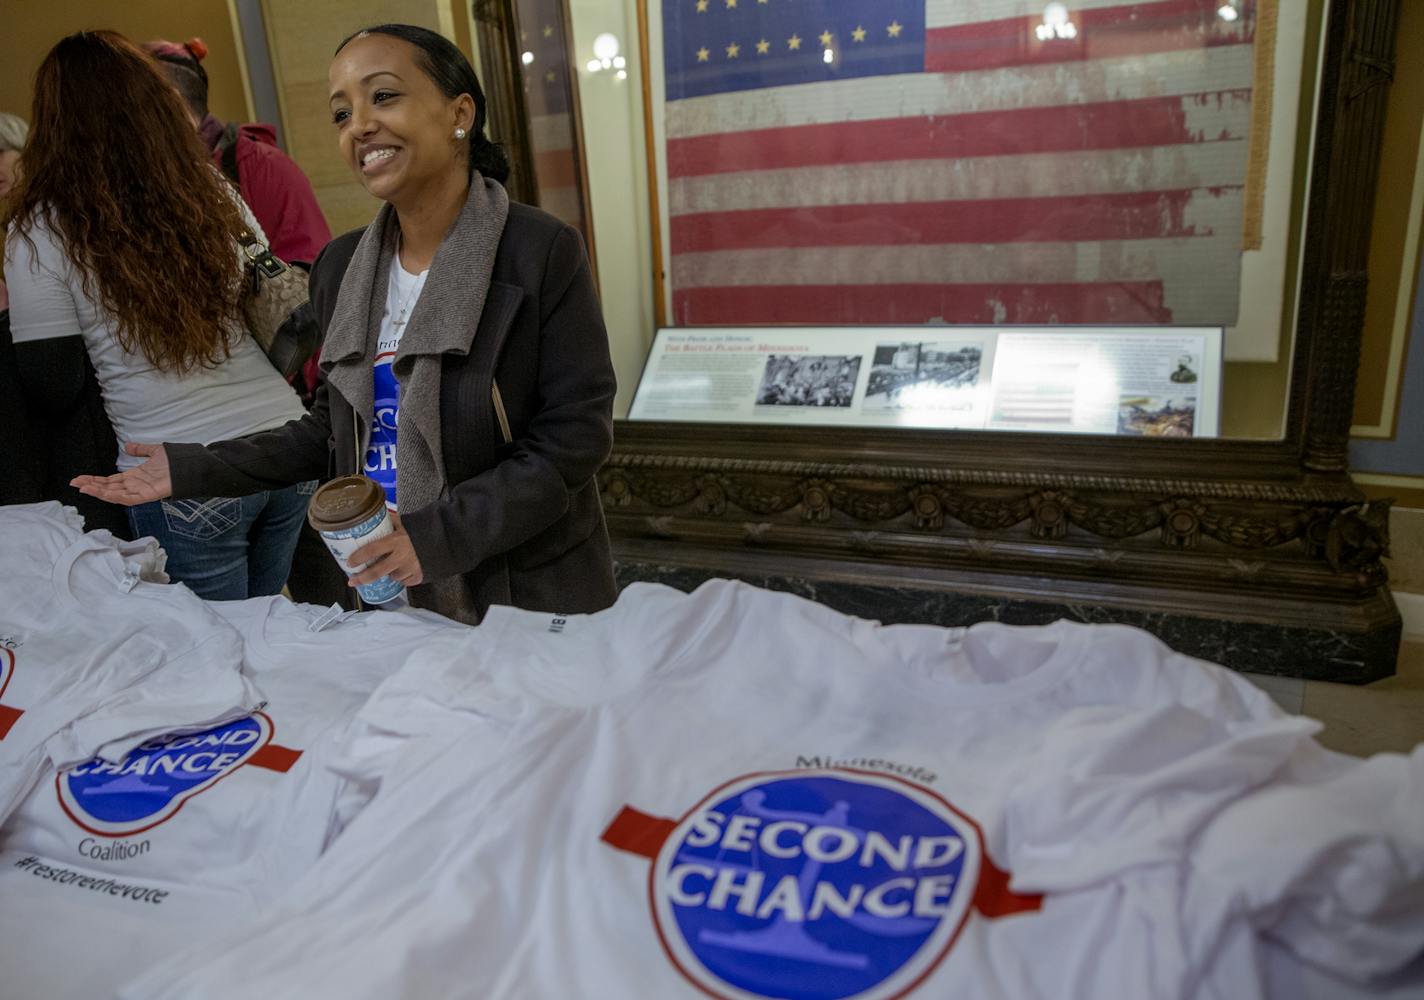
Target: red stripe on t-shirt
(274,757)
(8,717)
(638,833)
(994,898)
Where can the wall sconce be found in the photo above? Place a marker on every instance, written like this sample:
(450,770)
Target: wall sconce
(1056,24)
(605,56)
(1228,12)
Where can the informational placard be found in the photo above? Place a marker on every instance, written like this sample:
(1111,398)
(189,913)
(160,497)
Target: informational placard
(1144,381)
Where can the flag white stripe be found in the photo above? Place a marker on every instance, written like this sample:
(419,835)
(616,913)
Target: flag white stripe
(1036,175)
(951,13)
(1162,74)
(943,264)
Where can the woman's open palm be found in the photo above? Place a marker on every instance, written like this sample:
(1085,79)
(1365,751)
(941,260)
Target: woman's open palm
(141,484)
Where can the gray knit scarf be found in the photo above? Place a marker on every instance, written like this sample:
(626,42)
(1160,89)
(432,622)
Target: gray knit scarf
(443,322)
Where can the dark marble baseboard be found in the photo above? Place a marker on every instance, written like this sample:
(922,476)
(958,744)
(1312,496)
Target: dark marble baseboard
(1311,653)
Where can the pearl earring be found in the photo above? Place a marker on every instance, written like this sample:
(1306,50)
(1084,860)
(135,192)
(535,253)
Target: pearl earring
(460,133)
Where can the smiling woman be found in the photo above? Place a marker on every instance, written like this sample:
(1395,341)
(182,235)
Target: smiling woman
(466,361)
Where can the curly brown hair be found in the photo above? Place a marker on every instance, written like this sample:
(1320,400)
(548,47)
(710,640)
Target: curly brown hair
(116,171)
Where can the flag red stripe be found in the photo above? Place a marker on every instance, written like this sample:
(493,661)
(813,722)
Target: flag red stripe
(1118,302)
(1132,215)
(1151,121)
(1106,33)
(555,168)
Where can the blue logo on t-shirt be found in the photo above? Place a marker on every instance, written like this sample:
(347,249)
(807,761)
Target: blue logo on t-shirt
(815,886)
(157,777)
(381,454)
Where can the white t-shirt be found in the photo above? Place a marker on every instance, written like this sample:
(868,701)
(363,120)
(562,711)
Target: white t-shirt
(242,395)
(70,932)
(249,805)
(402,293)
(741,793)
(93,660)
(1344,884)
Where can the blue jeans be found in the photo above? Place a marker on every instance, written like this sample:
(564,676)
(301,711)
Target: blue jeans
(227,548)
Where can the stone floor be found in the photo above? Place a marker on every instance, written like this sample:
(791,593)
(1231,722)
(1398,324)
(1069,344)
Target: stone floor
(1363,720)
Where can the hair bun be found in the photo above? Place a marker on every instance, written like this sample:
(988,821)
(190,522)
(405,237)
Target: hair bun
(198,47)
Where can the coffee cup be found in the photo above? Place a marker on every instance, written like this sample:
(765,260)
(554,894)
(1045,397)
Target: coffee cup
(348,513)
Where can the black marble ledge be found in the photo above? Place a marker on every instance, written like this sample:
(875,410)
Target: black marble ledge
(1287,650)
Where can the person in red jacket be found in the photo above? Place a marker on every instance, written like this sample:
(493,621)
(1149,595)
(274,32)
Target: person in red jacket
(274,187)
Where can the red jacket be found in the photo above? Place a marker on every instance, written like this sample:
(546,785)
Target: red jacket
(275,188)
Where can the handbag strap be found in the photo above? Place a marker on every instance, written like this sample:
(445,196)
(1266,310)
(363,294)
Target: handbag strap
(264,263)
(253,247)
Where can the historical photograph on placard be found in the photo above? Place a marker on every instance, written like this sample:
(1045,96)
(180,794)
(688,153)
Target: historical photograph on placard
(1186,371)
(923,376)
(808,380)
(1156,416)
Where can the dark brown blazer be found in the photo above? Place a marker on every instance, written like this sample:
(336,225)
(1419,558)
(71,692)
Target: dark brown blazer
(522,521)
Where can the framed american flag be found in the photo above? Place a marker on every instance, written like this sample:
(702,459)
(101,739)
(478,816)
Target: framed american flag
(551,105)
(1016,162)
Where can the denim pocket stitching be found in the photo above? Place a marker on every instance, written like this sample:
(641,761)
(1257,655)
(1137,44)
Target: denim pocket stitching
(202,519)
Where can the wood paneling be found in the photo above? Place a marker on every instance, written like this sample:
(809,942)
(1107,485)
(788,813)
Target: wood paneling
(302,38)
(31,28)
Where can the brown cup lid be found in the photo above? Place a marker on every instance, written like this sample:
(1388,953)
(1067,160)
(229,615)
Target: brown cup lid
(345,503)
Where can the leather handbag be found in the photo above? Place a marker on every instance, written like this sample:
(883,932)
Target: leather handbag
(276,307)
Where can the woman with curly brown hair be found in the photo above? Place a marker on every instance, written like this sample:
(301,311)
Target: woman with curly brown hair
(121,245)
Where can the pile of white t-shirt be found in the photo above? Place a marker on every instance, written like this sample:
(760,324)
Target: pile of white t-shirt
(738,793)
(733,793)
(94,660)
(194,819)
